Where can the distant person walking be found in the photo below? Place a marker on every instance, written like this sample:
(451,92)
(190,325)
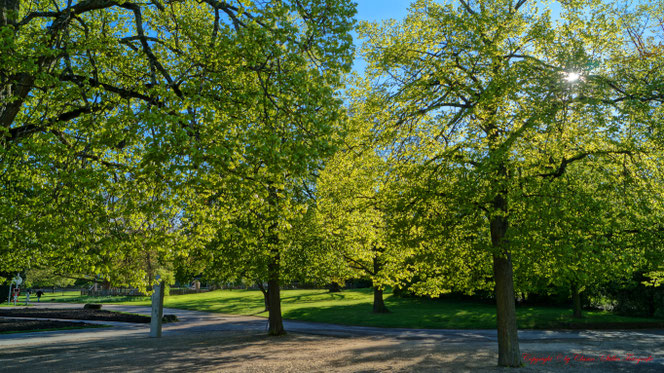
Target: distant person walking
(39,293)
(15,293)
(27,296)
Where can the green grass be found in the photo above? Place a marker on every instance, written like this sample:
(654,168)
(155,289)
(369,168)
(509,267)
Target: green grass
(353,307)
(47,297)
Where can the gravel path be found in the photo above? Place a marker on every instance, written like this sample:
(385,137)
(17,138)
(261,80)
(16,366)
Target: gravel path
(203,342)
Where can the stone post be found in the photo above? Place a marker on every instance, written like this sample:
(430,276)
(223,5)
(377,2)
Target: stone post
(157,310)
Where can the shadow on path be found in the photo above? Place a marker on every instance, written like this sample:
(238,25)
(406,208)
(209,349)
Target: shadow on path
(204,342)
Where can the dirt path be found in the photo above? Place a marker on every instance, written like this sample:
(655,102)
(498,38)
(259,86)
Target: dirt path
(203,342)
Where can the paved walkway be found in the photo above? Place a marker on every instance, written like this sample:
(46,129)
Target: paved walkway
(227,331)
(196,321)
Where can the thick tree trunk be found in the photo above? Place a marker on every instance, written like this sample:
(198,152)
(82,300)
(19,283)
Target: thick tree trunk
(576,301)
(651,303)
(14,89)
(8,11)
(265,295)
(508,340)
(276,325)
(378,303)
(335,287)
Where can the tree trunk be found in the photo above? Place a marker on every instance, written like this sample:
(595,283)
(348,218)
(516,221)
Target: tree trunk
(508,340)
(276,325)
(106,285)
(334,287)
(651,303)
(265,295)
(378,303)
(8,12)
(14,89)
(576,301)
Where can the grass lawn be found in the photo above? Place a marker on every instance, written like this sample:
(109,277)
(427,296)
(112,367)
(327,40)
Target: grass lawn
(353,307)
(46,297)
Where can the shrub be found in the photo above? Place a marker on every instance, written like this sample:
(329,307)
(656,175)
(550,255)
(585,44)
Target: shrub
(169,318)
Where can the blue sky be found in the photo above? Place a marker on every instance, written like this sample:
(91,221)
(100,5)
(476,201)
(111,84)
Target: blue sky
(376,10)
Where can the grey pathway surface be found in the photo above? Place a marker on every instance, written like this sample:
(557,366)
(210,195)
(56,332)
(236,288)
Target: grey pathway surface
(215,342)
(196,321)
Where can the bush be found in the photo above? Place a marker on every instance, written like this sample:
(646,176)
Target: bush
(550,296)
(640,300)
(636,299)
(4,293)
(169,318)
(334,287)
(358,283)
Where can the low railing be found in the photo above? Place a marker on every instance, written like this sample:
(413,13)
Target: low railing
(136,292)
(185,291)
(113,292)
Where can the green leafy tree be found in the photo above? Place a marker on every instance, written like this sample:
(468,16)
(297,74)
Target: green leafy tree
(266,129)
(484,89)
(352,203)
(587,231)
(134,111)
(89,111)
(638,77)
(46,277)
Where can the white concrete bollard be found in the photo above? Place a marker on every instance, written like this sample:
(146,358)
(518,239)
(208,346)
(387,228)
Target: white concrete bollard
(157,310)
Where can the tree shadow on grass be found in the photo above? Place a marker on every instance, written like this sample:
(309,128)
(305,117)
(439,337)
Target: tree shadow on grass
(232,305)
(312,298)
(399,317)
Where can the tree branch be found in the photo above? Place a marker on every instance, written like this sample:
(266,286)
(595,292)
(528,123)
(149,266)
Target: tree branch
(83,154)
(358,265)
(567,161)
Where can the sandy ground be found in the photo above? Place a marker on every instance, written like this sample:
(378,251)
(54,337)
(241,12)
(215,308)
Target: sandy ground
(220,343)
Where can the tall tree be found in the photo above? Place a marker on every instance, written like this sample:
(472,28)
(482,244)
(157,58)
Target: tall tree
(265,129)
(485,89)
(151,98)
(352,202)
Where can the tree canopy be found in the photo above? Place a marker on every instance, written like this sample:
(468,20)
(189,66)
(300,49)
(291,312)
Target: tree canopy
(139,111)
(490,99)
